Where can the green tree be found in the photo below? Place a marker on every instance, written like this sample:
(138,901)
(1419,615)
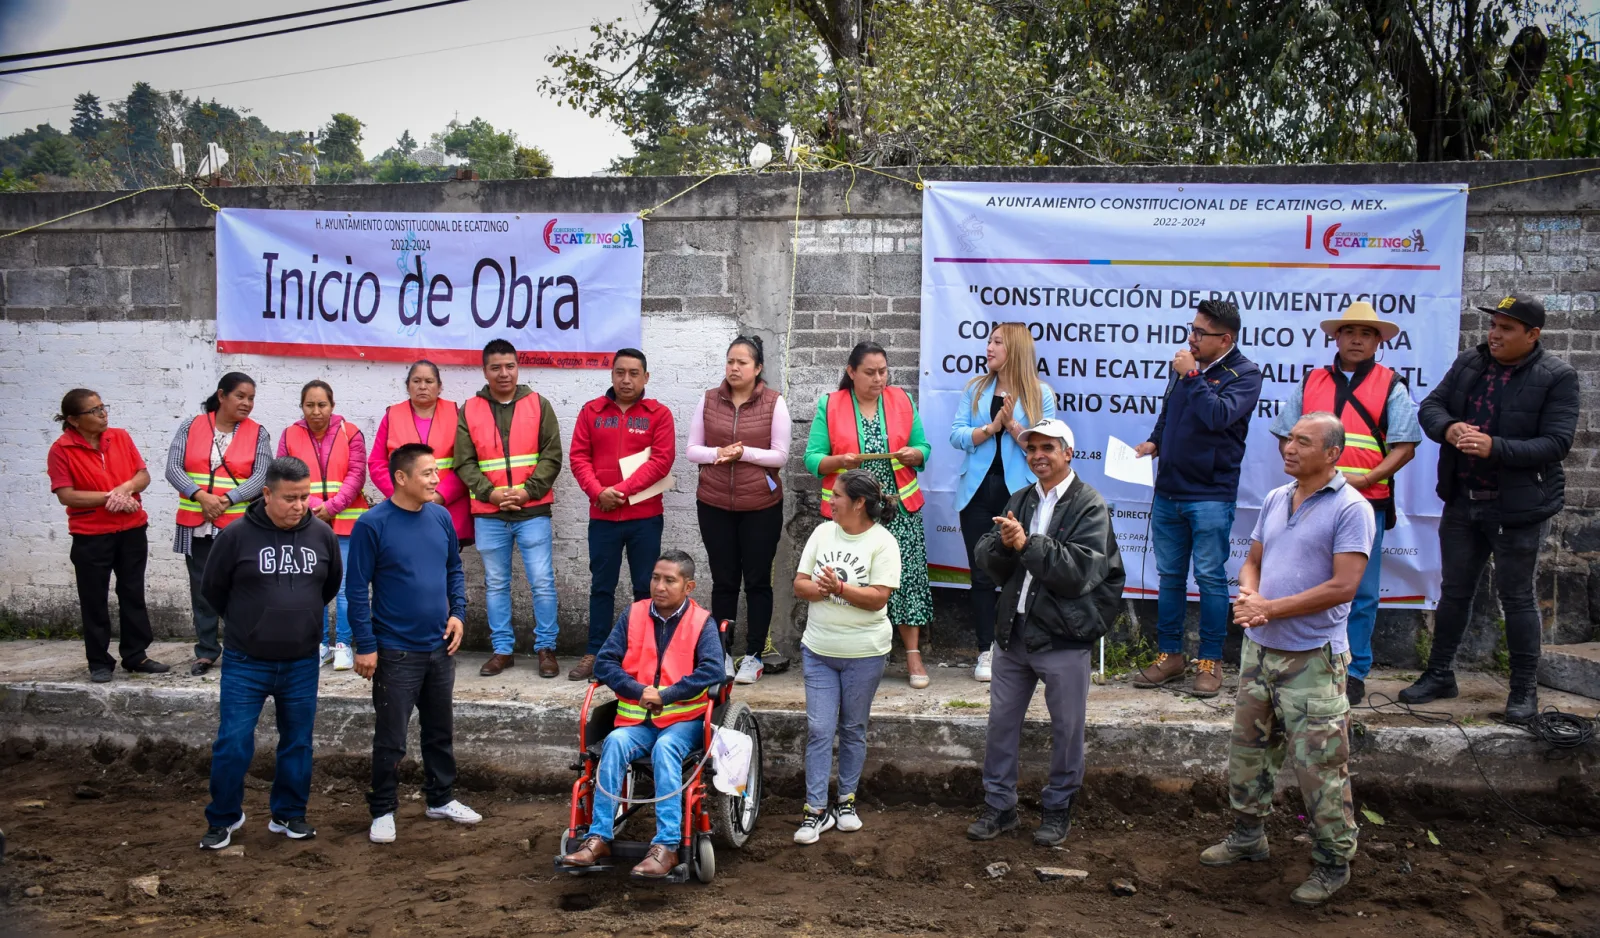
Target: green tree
(406,144)
(1562,118)
(491,153)
(341,139)
(532,163)
(139,147)
(53,156)
(87,118)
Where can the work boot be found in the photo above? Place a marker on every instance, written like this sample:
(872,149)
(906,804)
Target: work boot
(1247,841)
(1434,684)
(496,664)
(594,848)
(1355,690)
(584,670)
(1054,827)
(1166,668)
(992,823)
(1319,887)
(548,665)
(657,864)
(1207,678)
(1523,704)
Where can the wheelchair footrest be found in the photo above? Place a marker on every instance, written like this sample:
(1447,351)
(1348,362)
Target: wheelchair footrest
(626,853)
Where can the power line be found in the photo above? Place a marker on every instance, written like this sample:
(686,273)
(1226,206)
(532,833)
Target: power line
(95,47)
(223,42)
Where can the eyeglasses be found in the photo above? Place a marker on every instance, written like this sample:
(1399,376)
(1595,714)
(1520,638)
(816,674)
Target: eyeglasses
(1200,333)
(100,411)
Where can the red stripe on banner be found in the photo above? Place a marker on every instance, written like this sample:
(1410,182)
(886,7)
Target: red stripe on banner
(443,356)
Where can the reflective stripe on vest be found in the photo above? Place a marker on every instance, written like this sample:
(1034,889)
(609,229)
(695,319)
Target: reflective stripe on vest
(504,469)
(441,432)
(644,665)
(238,463)
(299,444)
(843,438)
(1361,453)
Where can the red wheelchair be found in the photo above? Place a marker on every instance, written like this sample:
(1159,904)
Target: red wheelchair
(711,819)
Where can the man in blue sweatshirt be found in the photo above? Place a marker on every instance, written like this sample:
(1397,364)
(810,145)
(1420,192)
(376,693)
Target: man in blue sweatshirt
(1200,436)
(408,598)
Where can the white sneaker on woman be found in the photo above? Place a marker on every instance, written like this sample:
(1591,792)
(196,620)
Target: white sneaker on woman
(812,824)
(749,670)
(382,831)
(455,811)
(324,654)
(343,660)
(847,818)
(985,670)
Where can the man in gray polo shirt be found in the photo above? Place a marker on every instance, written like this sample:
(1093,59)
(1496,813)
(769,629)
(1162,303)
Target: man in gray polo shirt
(1307,556)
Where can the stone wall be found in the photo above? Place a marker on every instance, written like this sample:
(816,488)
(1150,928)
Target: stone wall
(122,300)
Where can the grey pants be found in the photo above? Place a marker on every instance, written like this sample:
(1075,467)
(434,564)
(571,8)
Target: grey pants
(1066,692)
(839,694)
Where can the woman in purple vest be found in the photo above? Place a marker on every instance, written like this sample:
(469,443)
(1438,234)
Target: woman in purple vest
(740,439)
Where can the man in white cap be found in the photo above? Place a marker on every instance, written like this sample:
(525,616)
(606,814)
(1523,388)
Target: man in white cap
(1381,434)
(1056,555)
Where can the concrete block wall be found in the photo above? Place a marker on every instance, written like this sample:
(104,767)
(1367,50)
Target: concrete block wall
(122,300)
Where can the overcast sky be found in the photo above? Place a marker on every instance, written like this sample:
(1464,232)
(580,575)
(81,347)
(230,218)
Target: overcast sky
(492,80)
(494,76)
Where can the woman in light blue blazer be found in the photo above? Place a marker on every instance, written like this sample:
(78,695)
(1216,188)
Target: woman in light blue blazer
(994,409)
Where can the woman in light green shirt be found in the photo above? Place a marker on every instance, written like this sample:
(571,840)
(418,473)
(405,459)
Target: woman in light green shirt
(849,570)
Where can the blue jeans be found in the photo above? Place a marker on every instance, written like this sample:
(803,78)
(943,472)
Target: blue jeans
(1364,608)
(641,538)
(340,633)
(495,539)
(1199,531)
(246,684)
(839,694)
(668,747)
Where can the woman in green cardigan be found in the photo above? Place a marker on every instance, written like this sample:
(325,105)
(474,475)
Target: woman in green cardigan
(869,416)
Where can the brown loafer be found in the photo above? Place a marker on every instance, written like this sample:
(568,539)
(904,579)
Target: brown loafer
(593,848)
(1207,678)
(657,863)
(496,664)
(1166,668)
(584,670)
(548,665)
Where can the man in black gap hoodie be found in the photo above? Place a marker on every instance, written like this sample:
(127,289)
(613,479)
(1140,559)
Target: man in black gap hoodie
(270,578)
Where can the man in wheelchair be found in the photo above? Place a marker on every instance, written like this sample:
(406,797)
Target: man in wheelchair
(663,655)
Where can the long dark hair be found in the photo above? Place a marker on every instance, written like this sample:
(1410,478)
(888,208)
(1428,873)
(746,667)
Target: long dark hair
(317,383)
(72,404)
(227,384)
(857,356)
(753,342)
(861,483)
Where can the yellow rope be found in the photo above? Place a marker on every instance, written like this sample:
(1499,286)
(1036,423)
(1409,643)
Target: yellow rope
(1512,182)
(803,153)
(94,208)
(794,268)
(721,172)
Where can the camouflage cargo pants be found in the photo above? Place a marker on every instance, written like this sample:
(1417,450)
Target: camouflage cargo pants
(1292,705)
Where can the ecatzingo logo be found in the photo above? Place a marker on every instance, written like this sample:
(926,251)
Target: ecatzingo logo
(1334,240)
(555,237)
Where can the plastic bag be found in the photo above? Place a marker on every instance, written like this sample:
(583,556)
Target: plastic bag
(730,757)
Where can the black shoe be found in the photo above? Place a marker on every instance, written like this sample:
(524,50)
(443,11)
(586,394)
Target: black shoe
(100,675)
(1523,704)
(200,666)
(146,666)
(991,823)
(1434,684)
(294,828)
(1355,689)
(218,837)
(1054,828)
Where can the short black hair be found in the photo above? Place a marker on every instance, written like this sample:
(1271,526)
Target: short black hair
(497,347)
(287,469)
(1224,314)
(644,364)
(684,561)
(405,457)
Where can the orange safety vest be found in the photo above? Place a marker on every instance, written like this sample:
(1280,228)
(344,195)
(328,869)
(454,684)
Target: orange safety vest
(237,464)
(652,669)
(1364,444)
(326,484)
(441,433)
(842,438)
(499,467)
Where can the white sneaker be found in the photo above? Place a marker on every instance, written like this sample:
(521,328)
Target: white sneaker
(343,660)
(323,654)
(382,831)
(985,670)
(812,824)
(845,811)
(749,670)
(455,811)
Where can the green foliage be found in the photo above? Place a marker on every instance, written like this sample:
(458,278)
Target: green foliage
(10,182)
(966,705)
(407,144)
(1130,656)
(1502,652)
(87,118)
(1424,646)
(341,140)
(52,156)
(532,163)
(1562,117)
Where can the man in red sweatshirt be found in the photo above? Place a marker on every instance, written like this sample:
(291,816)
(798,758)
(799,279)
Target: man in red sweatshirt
(621,428)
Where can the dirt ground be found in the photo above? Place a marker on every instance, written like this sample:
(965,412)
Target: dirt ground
(108,816)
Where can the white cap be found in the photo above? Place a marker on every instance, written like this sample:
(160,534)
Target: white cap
(1051,427)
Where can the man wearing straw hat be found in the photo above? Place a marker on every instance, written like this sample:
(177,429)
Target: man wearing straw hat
(1381,435)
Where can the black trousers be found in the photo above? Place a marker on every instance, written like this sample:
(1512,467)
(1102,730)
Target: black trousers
(740,545)
(407,680)
(207,632)
(1469,533)
(95,559)
(976,521)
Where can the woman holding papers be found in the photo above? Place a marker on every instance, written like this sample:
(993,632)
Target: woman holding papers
(424,417)
(868,423)
(739,437)
(996,407)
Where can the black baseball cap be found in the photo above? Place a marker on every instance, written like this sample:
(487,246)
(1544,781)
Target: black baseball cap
(1529,312)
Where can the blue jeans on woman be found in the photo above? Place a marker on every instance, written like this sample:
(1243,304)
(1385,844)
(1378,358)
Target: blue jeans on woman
(839,694)
(246,684)
(340,632)
(496,539)
(1364,608)
(1185,531)
(668,747)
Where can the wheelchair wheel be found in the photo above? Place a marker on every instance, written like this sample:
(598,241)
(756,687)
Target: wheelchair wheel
(733,818)
(629,789)
(705,859)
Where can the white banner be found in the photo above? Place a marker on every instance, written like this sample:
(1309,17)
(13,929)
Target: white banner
(1107,276)
(390,286)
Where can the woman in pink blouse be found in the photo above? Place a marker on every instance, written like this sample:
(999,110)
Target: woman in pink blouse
(424,418)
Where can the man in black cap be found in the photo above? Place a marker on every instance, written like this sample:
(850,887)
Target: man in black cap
(1504,416)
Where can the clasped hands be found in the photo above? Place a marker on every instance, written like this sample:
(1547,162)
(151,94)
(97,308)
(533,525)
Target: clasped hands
(1469,440)
(509,497)
(121,500)
(1012,533)
(1250,609)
